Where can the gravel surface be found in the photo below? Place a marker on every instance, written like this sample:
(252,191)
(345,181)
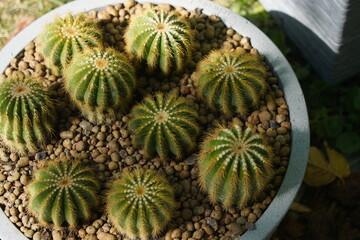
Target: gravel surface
(109,150)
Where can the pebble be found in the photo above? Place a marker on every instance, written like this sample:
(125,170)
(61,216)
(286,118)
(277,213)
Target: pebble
(176,233)
(40,156)
(67,134)
(199,210)
(86,125)
(56,234)
(216,214)
(212,222)
(113,165)
(198,234)
(186,214)
(29,233)
(129,3)
(37,236)
(101,158)
(264,116)
(250,226)
(130,160)
(235,228)
(23,162)
(106,236)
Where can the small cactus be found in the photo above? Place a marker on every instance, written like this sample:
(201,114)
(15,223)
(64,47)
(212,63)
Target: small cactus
(231,81)
(141,203)
(63,193)
(165,124)
(234,166)
(65,37)
(27,114)
(101,83)
(162,39)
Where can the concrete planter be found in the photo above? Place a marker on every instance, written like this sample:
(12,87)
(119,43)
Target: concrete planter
(326,32)
(288,81)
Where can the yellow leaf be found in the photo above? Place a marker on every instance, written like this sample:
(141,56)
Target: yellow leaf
(300,208)
(322,170)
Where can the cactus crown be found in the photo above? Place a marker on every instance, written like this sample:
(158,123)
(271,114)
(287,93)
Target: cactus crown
(65,37)
(234,166)
(100,82)
(63,193)
(27,114)
(162,39)
(140,204)
(165,124)
(231,80)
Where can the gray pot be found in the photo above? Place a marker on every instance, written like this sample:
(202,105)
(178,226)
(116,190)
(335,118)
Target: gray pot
(273,215)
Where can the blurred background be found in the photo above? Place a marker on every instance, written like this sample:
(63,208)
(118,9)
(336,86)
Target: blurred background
(328,205)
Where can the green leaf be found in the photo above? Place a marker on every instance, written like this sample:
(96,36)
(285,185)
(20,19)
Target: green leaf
(334,126)
(348,142)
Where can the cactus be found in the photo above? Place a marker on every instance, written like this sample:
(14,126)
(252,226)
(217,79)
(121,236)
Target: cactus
(231,81)
(165,124)
(100,82)
(27,114)
(65,37)
(141,203)
(162,39)
(234,166)
(63,193)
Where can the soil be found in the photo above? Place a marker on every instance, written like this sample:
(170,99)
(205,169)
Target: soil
(108,148)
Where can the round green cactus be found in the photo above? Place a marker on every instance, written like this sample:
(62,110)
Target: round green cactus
(162,39)
(101,83)
(63,193)
(141,203)
(27,114)
(231,81)
(65,37)
(234,166)
(165,124)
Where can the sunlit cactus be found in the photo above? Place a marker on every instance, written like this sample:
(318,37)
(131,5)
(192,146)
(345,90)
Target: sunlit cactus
(231,81)
(234,166)
(165,124)
(62,39)
(141,203)
(163,40)
(27,114)
(63,193)
(101,83)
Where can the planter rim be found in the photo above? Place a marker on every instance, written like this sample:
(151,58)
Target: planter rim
(300,136)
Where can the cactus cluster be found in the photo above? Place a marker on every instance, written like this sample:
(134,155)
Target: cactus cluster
(63,193)
(62,39)
(101,82)
(141,203)
(165,124)
(27,114)
(234,166)
(163,40)
(231,81)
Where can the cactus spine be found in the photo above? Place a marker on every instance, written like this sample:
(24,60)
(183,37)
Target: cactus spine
(101,83)
(165,124)
(65,37)
(27,114)
(234,166)
(140,204)
(63,193)
(162,39)
(232,81)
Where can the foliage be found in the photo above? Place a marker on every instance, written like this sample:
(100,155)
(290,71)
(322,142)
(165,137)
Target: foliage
(11,11)
(165,124)
(65,37)
(141,203)
(63,193)
(101,83)
(27,114)
(234,166)
(162,39)
(323,170)
(232,81)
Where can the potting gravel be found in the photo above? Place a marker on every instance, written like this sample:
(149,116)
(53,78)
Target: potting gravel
(108,148)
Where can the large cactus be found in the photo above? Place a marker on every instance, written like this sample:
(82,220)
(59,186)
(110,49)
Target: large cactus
(141,203)
(101,83)
(162,39)
(231,81)
(63,193)
(165,124)
(234,166)
(65,37)
(27,114)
